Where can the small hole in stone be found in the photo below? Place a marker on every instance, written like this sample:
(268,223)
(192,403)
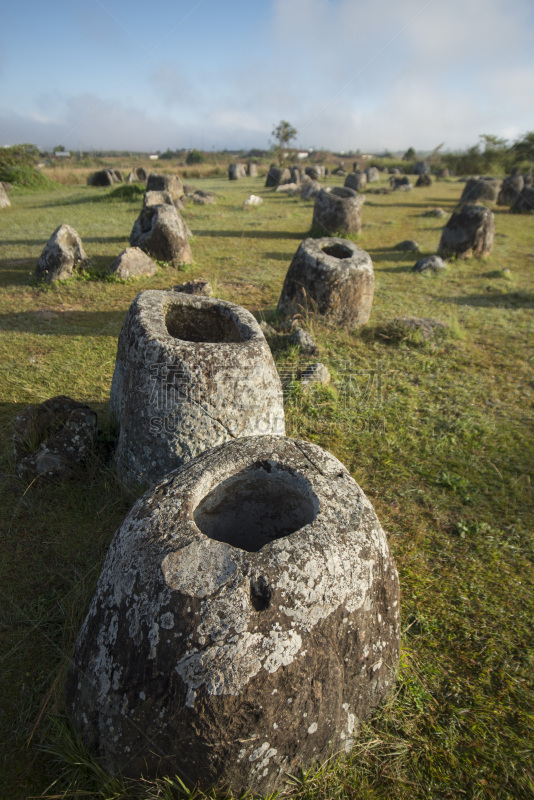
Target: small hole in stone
(260,593)
(192,324)
(256,506)
(337,251)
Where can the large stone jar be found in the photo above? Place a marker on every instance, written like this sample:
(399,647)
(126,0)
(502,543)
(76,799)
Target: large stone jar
(333,277)
(469,232)
(338,209)
(191,373)
(245,622)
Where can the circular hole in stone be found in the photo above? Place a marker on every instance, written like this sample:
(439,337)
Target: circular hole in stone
(337,251)
(192,324)
(256,506)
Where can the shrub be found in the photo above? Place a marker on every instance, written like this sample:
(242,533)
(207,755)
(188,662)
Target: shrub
(25,176)
(195,157)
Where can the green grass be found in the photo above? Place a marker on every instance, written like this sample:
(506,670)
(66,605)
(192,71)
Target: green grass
(438,434)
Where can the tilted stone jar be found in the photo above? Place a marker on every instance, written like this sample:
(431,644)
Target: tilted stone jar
(191,373)
(338,209)
(245,622)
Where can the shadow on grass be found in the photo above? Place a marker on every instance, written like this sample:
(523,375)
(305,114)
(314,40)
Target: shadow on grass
(494,300)
(252,234)
(42,242)
(48,322)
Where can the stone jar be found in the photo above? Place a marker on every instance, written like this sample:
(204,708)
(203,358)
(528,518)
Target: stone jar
(338,209)
(162,233)
(333,277)
(468,232)
(191,372)
(356,181)
(245,622)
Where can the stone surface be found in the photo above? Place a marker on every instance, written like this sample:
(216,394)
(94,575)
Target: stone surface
(434,263)
(373,174)
(423,180)
(434,212)
(191,372)
(197,286)
(408,246)
(400,184)
(480,189)
(161,232)
(444,173)
(303,340)
(290,188)
(277,175)
(103,177)
(296,175)
(470,231)
(252,200)
(356,181)
(162,198)
(333,277)
(142,174)
(309,189)
(421,168)
(252,169)
(315,373)
(245,622)
(4,199)
(62,253)
(525,202)
(510,190)
(133,263)
(201,198)
(314,172)
(160,182)
(237,171)
(54,438)
(338,209)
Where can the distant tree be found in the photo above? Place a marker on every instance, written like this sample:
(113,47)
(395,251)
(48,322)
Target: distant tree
(409,154)
(284,133)
(19,155)
(195,157)
(524,148)
(58,149)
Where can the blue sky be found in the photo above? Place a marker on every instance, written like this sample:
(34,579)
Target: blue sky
(348,74)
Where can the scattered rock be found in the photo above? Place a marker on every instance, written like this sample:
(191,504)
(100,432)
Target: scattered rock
(142,174)
(191,373)
(202,198)
(330,276)
(510,190)
(421,168)
(470,231)
(103,177)
(162,198)
(444,173)
(296,175)
(268,331)
(525,202)
(53,438)
(395,171)
(356,181)
(62,253)
(408,246)
(304,341)
(158,182)
(314,172)
(427,327)
(434,263)
(315,373)
(309,189)
(4,199)
(434,212)
(161,232)
(402,184)
(290,188)
(373,174)
(246,618)
(252,170)
(277,175)
(236,172)
(196,286)
(338,209)
(253,200)
(133,263)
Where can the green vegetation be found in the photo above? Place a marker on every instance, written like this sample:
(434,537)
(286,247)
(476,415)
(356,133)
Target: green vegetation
(284,133)
(195,157)
(438,434)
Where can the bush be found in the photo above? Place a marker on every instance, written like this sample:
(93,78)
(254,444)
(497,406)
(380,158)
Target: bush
(195,157)
(25,176)
(20,155)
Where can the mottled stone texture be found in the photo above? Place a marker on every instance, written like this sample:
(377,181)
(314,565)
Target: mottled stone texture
(161,232)
(510,190)
(245,622)
(61,254)
(338,209)
(421,168)
(372,174)
(162,198)
(237,171)
(160,182)
(252,169)
(480,189)
(423,180)
(356,181)
(468,232)
(525,202)
(333,277)
(277,175)
(53,438)
(133,263)
(191,372)
(400,184)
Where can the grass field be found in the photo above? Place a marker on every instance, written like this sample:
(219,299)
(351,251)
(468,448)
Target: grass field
(439,436)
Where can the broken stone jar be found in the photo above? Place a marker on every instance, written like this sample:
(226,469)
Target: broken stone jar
(245,622)
(191,372)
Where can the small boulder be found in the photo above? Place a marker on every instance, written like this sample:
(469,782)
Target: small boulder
(62,253)
(201,198)
(252,200)
(141,174)
(196,286)
(159,182)
(400,184)
(313,374)
(423,180)
(408,246)
(510,190)
(103,177)
(421,168)
(252,169)
(444,173)
(304,341)
(470,231)
(356,181)
(309,189)
(314,172)
(373,174)
(53,438)
(434,263)
(133,263)
(434,212)
(161,232)
(427,327)
(296,175)
(236,172)
(277,175)
(480,189)
(525,202)
(290,188)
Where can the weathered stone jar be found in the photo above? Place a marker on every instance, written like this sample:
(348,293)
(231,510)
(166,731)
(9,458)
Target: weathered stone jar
(191,373)
(245,622)
(333,277)
(338,209)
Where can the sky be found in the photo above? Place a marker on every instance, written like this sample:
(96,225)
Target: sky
(368,75)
